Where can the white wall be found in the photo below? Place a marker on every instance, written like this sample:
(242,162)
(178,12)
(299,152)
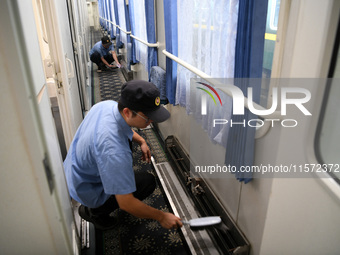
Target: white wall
(33,219)
(93,14)
(302,216)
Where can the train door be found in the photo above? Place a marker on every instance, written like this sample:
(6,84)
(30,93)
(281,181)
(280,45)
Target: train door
(79,32)
(92,10)
(61,65)
(36,215)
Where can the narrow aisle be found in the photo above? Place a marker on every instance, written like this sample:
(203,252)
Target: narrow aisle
(105,85)
(134,235)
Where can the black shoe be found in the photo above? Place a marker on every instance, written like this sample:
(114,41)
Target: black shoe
(102,223)
(101,67)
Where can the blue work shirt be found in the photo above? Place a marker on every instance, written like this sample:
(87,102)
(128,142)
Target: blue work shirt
(99,161)
(98,47)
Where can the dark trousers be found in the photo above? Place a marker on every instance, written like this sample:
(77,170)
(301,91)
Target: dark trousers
(145,184)
(96,58)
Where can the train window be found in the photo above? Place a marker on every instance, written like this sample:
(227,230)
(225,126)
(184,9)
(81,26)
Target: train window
(328,137)
(269,46)
(270,36)
(274,14)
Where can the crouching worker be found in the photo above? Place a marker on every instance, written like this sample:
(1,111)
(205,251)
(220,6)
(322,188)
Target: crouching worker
(103,54)
(98,165)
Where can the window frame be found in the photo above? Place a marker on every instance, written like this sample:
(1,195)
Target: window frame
(333,63)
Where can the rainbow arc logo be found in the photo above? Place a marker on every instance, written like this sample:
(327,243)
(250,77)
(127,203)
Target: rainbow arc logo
(204,97)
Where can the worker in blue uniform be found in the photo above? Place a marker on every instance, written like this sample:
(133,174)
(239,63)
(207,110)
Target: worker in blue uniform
(103,54)
(98,166)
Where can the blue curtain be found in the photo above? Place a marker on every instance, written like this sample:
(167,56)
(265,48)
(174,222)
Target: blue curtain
(101,13)
(248,64)
(132,27)
(171,46)
(107,16)
(151,32)
(128,28)
(119,43)
(112,27)
(104,12)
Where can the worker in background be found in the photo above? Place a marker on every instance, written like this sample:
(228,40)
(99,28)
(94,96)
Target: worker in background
(103,54)
(98,166)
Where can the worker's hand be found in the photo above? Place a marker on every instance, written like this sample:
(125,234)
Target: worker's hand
(170,221)
(119,65)
(146,154)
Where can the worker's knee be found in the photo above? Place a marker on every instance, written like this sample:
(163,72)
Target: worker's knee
(145,184)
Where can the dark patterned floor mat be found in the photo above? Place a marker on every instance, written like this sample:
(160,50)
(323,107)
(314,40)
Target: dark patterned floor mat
(110,83)
(143,236)
(155,146)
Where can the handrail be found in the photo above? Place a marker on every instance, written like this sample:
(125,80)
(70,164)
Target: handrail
(126,32)
(219,85)
(121,29)
(151,45)
(155,45)
(260,132)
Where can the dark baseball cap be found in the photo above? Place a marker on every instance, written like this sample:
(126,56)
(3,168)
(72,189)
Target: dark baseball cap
(106,40)
(139,95)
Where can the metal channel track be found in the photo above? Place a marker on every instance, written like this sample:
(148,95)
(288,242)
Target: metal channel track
(199,242)
(227,236)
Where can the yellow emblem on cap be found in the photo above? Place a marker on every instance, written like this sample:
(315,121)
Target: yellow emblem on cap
(157,101)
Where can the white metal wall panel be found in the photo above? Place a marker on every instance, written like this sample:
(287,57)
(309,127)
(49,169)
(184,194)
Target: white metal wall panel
(34,220)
